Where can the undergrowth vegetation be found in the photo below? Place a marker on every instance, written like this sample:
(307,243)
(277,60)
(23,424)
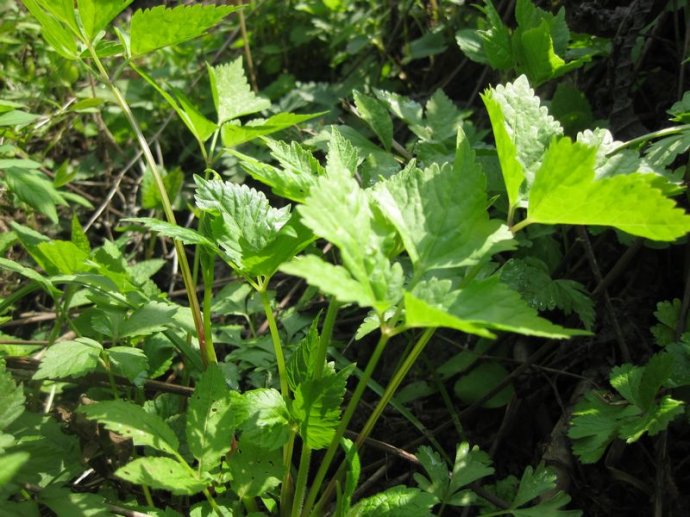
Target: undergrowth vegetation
(343,258)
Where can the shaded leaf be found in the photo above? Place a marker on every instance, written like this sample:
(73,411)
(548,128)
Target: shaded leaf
(162,473)
(69,359)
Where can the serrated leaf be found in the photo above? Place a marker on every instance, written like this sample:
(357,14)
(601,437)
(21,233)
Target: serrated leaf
(534,483)
(232,95)
(78,237)
(333,280)
(254,470)
(565,191)
(297,175)
(159,27)
(66,503)
(210,419)
(522,130)
(655,419)
(375,114)
(443,119)
(363,241)
(63,257)
(536,55)
(470,43)
(352,473)
(441,213)
(316,408)
(399,501)
(11,398)
(55,33)
(301,365)
(129,362)
(662,153)
(481,305)
(265,418)
(162,473)
(496,40)
(235,134)
(132,421)
(69,359)
(174,231)
(150,318)
(470,465)
(95,15)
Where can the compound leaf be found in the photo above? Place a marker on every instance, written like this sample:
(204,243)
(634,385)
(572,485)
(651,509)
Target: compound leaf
(399,501)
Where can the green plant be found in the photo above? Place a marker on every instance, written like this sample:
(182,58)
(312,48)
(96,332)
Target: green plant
(412,238)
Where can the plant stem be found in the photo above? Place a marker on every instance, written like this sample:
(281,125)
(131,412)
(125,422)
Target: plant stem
(392,387)
(208,354)
(301,485)
(649,136)
(275,337)
(349,411)
(519,226)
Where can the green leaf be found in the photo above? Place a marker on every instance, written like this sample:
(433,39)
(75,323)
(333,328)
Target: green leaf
(162,473)
(232,95)
(66,503)
(132,421)
(352,473)
(32,187)
(244,222)
(483,304)
(663,152)
(29,273)
(443,120)
(11,463)
(522,129)
(439,227)
(333,280)
(159,27)
(298,172)
(174,231)
(529,16)
(374,113)
(565,191)
(265,418)
(148,319)
(667,314)
(536,54)
(655,419)
(470,465)
(535,483)
(254,470)
(210,419)
(472,386)
(470,43)
(78,237)
(316,407)
(399,501)
(69,359)
(363,241)
(55,33)
(342,158)
(681,109)
(63,257)
(235,134)
(496,40)
(95,15)
(11,398)
(17,118)
(129,362)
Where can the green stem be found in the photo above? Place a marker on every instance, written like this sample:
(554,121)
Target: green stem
(275,337)
(378,410)
(349,411)
(301,485)
(325,339)
(208,354)
(519,226)
(147,496)
(286,492)
(212,502)
(649,136)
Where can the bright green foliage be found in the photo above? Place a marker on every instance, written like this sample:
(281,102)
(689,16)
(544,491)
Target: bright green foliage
(210,419)
(62,501)
(181,233)
(598,420)
(132,363)
(11,463)
(667,313)
(57,23)
(681,109)
(530,277)
(535,483)
(95,15)
(132,421)
(523,129)
(376,115)
(34,189)
(234,134)
(565,191)
(450,487)
(265,418)
(447,201)
(537,47)
(163,473)
(352,473)
(363,242)
(232,95)
(160,26)
(243,222)
(399,501)
(481,305)
(69,359)
(254,470)
(317,407)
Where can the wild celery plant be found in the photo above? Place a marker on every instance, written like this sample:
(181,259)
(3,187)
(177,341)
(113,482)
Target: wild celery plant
(414,247)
